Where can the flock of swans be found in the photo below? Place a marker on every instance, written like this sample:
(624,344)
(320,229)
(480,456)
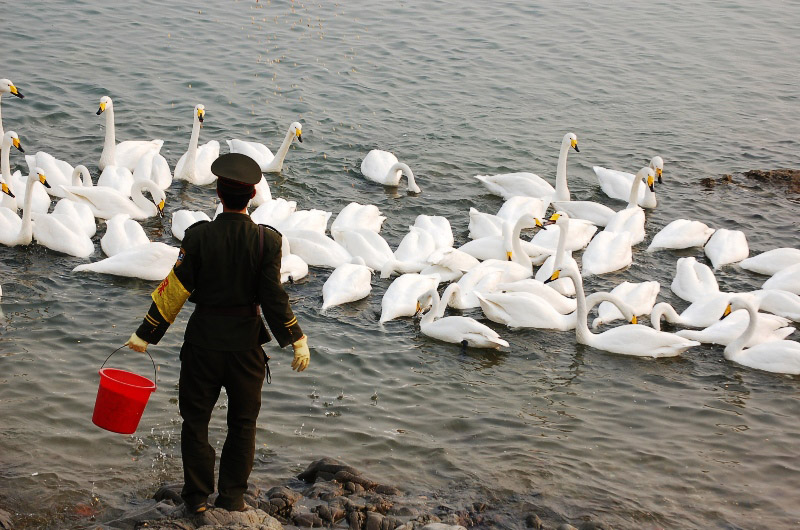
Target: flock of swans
(495,270)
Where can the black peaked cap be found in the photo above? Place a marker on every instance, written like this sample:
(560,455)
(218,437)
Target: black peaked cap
(237,167)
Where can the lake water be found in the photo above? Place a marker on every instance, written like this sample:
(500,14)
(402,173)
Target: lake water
(455,89)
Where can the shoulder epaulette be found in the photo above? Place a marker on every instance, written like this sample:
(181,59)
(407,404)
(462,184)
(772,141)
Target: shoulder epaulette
(272,228)
(201,221)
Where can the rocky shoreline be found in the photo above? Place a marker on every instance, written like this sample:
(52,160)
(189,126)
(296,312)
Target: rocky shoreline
(328,494)
(789,179)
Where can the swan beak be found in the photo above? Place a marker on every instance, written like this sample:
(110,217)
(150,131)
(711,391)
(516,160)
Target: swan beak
(418,310)
(727,311)
(554,276)
(160,207)
(574,144)
(552,220)
(5,190)
(43,180)
(538,222)
(15,91)
(101,109)
(200,115)
(16,143)
(300,136)
(651,183)
(658,174)
(508,256)
(634,320)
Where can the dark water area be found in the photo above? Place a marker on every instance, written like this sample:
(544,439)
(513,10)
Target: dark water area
(454,89)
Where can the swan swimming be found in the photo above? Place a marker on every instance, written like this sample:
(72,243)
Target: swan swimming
(781,356)
(7,198)
(640,297)
(680,234)
(347,283)
(13,230)
(183,219)
(693,280)
(384,168)
(401,297)
(293,267)
(356,215)
(125,154)
(725,247)
(122,233)
(268,162)
(105,203)
(617,184)
(456,329)
(195,164)
(631,339)
(772,261)
(787,279)
(151,261)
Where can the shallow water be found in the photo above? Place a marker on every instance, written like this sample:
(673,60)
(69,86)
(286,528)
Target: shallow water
(455,89)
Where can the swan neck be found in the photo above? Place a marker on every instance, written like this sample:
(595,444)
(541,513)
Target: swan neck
(137,195)
(737,345)
(108,156)
(2,132)
(26,230)
(562,244)
(582,333)
(5,165)
(429,317)
(562,192)
(452,290)
(277,162)
(633,199)
(191,151)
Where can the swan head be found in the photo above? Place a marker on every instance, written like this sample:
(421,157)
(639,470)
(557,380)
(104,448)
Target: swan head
(200,112)
(553,277)
(7,87)
(39,174)
(4,189)
(13,139)
(425,301)
(651,181)
(560,218)
(105,103)
(297,129)
(657,165)
(736,303)
(573,141)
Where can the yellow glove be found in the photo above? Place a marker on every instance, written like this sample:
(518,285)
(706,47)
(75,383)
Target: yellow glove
(301,354)
(136,344)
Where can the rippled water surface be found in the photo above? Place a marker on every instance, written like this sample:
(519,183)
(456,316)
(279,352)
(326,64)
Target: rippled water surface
(455,89)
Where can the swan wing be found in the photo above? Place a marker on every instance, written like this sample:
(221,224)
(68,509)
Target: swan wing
(376,165)
(127,154)
(400,298)
(777,356)
(616,184)
(347,283)
(316,249)
(787,279)
(726,246)
(593,212)
(641,341)
(49,231)
(148,262)
(607,252)
(509,185)
(680,234)
(772,261)
(258,152)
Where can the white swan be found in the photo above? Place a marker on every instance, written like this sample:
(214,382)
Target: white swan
(347,283)
(484,224)
(356,215)
(580,234)
(122,233)
(463,294)
(195,164)
(781,356)
(787,279)
(456,329)
(13,230)
(365,243)
(631,218)
(561,255)
(105,203)
(125,154)
(632,339)
(509,185)
(312,220)
(153,166)
(516,206)
(412,253)
(779,302)
(317,249)
(499,247)
(693,280)
(400,298)
(116,177)
(772,261)
(560,303)
(726,246)
(183,219)
(58,171)
(680,234)
(7,87)
(384,168)
(607,252)
(7,198)
(617,184)
(293,267)
(76,215)
(438,227)
(152,261)
(724,331)
(700,314)
(58,233)
(17,184)
(640,298)
(273,212)
(449,263)
(268,162)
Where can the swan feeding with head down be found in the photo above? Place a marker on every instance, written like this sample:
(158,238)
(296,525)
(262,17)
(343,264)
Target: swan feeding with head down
(456,329)
(384,168)
(105,203)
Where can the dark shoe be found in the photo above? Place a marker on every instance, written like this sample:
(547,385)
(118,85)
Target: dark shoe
(199,508)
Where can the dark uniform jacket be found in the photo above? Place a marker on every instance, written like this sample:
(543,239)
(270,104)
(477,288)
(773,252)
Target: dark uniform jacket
(218,269)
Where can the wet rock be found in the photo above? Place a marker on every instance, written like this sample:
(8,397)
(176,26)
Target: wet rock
(308,519)
(404,511)
(355,519)
(5,520)
(278,502)
(532,521)
(149,510)
(331,513)
(218,518)
(324,490)
(566,526)
(169,492)
(442,526)
(375,503)
(786,177)
(325,469)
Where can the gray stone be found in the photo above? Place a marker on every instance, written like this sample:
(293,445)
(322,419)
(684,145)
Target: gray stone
(566,526)
(533,521)
(219,518)
(308,520)
(5,520)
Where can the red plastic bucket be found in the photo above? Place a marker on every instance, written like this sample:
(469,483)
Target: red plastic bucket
(121,398)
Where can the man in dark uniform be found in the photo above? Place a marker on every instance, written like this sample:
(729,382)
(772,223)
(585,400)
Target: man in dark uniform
(228,267)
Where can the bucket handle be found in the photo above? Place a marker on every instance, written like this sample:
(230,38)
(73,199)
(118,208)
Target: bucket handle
(155,372)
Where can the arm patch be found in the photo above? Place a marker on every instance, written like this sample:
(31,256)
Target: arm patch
(170,296)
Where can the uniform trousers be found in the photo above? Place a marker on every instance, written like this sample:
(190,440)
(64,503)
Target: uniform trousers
(204,373)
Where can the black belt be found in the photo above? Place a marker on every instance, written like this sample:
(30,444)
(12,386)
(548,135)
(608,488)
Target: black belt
(246,310)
